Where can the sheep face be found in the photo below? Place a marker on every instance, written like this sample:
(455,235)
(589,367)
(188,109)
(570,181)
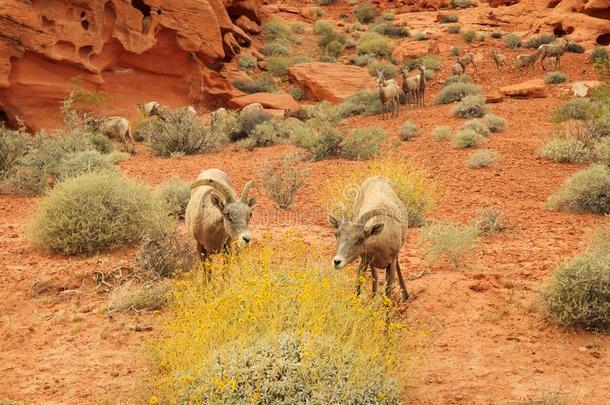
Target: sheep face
(351,239)
(236,216)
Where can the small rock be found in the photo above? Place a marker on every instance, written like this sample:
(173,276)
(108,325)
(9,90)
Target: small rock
(529,89)
(583,88)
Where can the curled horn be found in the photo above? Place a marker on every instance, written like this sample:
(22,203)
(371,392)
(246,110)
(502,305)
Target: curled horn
(380,212)
(246,191)
(221,188)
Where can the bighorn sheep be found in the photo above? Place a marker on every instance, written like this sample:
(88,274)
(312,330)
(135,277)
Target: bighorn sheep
(376,235)
(457,69)
(163,112)
(552,50)
(388,94)
(524,61)
(470,59)
(114,128)
(149,109)
(415,87)
(499,59)
(215,216)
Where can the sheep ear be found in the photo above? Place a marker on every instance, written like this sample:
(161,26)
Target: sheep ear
(374,229)
(217,201)
(251,202)
(333,221)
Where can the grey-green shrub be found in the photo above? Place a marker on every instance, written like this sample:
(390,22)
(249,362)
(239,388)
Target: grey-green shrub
(565,149)
(388,16)
(131,296)
(363,60)
(289,369)
(555,78)
(431,62)
(454,29)
(276,30)
(538,40)
(574,109)
(494,123)
(468,36)
(278,65)
(297,28)
(273,49)
(89,161)
(297,93)
(174,196)
(181,132)
(455,51)
(575,48)
(585,191)
(578,294)
(14,145)
(366,103)
(266,133)
(496,35)
(94,212)
(321,144)
(447,240)
(448,18)
(441,133)
(460,4)
(467,138)
(262,83)
(481,158)
(512,41)
(599,54)
(457,79)
(455,92)
(601,151)
(470,107)
(389,29)
(489,221)
(365,12)
(389,69)
(477,126)
(281,181)
(363,143)
(373,43)
(164,253)
(247,63)
(408,130)
(419,36)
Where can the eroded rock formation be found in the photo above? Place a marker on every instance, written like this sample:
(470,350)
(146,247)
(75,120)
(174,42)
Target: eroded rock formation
(135,50)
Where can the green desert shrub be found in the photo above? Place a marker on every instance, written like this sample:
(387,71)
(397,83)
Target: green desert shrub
(274,49)
(373,43)
(480,37)
(363,60)
(94,212)
(322,114)
(297,93)
(481,158)
(366,103)
(431,62)
(455,92)
(601,151)
(565,149)
(89,161)
(454,29)
(448,18)
(419,36)
(297,28)
(278,65)
(283,179)
(182,133)
(574,109)
(578,294)
(599,54)
(512,41)
(455,51)
(408,130)
(365,12)
(302,59)
(494,123)
(363,143)
(447,240)
(247,63)
(174,195)
(585,191)
(469,36)
(14,145)
(389,69)
(457,79)
(276,30)
(131,296)
(470,107)
(467,138)
(477,126)
(442,133)
(388,16)
(389,29)
(535,42)
(460,4)
(575,48)
(496,35)
(327,59)
(489,221)
(321,144)
(266,133)
(555,77)
(326,2)
(163,254)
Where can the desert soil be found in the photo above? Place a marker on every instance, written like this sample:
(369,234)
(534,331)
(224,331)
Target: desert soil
(486,339)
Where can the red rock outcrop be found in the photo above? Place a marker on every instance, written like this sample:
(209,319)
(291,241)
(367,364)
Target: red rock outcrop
(331,81)
(267,100)
(136,50)
(529,89)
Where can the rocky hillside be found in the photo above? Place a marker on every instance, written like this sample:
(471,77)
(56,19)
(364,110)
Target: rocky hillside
(133,50)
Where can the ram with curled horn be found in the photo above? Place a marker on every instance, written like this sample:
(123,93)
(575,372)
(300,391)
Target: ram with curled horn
(215,216)
(375,235)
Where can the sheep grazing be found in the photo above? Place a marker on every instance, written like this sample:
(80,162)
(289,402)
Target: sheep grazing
(114,128)
(457,69)
(376,235)
(525,61)
(555,51)
(499,59)
(414,87)
(215,216)
(150,109)
(388,94)
(470,59)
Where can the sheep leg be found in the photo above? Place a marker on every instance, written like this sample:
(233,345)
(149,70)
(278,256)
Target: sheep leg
(389,280)
(359,272)
(401,280)
(201,252)
(375,279)
(132,141)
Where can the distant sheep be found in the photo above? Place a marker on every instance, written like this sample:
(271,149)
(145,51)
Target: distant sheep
(115,128)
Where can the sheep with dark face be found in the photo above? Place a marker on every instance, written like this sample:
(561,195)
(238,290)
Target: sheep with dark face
(114,128)
(375,235)
(150,109)
(215,216)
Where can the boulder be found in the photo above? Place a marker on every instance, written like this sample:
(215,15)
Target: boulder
(267,100)
(493,98)
(410,49)
(529,89)
(331,81)
(583,88)
(248,25)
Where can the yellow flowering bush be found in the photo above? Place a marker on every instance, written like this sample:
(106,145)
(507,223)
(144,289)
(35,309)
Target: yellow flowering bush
(274,325)
(412,184)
